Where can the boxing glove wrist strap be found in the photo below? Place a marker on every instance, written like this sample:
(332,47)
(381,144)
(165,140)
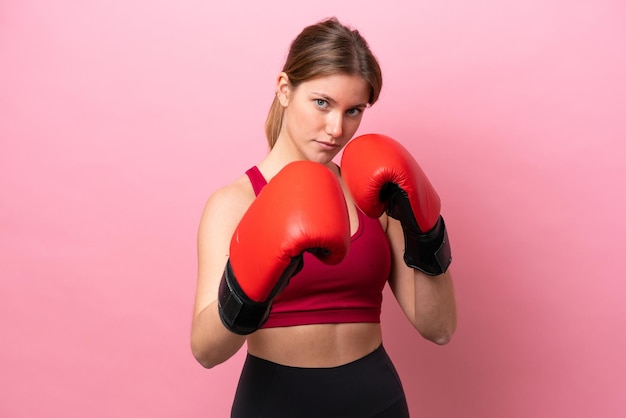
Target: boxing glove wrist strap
(238,312)
(428,252)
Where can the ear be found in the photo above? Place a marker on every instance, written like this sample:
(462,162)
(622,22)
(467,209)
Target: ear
(283,89)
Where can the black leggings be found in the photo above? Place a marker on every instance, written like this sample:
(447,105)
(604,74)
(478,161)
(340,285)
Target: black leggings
(366,388)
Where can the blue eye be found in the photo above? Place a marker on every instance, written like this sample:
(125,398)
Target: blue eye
(353,112)
(321,103)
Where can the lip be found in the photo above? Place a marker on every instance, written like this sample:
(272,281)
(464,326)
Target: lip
(328,145)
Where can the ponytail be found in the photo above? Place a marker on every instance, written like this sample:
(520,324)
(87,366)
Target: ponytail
(274,122)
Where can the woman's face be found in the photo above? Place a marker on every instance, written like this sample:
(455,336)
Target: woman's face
(321,115)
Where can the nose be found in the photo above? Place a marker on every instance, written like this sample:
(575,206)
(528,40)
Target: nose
(334,124)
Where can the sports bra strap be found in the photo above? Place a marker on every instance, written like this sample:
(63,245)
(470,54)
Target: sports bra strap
(257,179)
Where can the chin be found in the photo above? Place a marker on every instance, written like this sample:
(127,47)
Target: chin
(322,160)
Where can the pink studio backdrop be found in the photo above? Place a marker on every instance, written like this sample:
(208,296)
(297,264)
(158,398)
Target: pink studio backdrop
(119,118)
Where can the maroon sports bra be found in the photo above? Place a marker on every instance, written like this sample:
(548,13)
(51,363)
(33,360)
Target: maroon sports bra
(350,291)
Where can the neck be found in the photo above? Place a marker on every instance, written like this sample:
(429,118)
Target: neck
(278,157)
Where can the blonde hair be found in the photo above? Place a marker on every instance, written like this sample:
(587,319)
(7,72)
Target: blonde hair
(320,50)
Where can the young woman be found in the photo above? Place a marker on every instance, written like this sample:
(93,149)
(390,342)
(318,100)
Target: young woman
(293,255)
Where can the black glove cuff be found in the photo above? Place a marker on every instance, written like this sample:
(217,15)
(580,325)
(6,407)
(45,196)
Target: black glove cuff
(239,313)
(429,252)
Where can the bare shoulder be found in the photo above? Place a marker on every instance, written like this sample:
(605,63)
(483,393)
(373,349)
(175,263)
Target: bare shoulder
(228,203)
(222,212)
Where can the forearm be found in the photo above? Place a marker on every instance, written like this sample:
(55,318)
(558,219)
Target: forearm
(211,342)
(435,307)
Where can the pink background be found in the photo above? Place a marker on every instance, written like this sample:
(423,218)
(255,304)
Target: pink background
(119,118)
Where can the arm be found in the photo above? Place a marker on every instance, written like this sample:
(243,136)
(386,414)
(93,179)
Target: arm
(427,301)
(262,253)
(211,342)
(384,179)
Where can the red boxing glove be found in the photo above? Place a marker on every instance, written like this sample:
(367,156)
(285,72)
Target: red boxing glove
(301,209)
(383,176)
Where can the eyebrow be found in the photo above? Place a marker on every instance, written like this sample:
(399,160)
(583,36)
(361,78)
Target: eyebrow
(333,101)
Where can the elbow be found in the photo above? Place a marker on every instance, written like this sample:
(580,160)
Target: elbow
(207,364)
(210,352)
(441,338)
(204,356)
(205,360)
(440,335)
